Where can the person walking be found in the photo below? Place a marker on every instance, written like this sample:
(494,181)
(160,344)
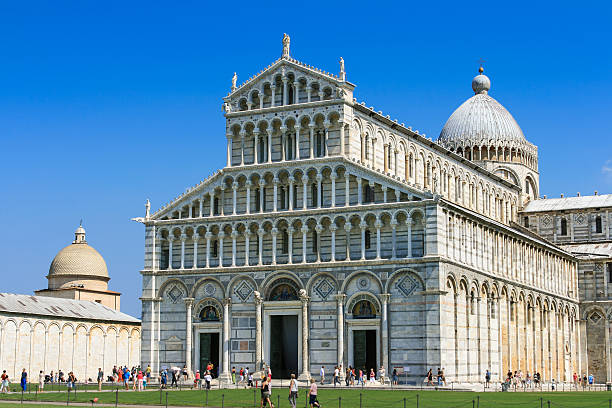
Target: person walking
(312,394)
(336,376)
(100,378)
(41,381)
(234,375)
(148,373)
(24,380)
(174,382)
(197,380)
(394,377)
(487,379)
(208,380)
(164,379)
(322,373)
(5,382)
(293,391)
(265,392)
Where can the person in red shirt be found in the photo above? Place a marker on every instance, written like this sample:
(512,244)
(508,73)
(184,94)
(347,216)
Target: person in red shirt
(140,378)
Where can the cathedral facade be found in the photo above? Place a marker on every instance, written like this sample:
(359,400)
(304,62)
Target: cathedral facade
(338,236)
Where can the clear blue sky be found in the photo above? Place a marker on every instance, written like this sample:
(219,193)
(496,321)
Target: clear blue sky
(105,104)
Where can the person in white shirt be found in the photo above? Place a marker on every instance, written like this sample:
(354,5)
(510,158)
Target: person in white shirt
(293,391)
(41,382)
(322,374)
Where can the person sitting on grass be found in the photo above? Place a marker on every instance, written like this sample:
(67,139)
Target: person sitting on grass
(312,395)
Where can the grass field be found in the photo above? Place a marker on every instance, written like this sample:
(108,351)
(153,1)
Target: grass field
(348,398)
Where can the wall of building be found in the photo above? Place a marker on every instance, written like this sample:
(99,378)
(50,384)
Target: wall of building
(38,343)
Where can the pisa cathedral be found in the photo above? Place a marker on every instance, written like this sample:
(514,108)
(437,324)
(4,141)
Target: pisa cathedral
(338,236)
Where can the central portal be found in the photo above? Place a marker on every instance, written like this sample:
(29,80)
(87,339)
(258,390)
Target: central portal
(209,352)
(284,345)
(364,350)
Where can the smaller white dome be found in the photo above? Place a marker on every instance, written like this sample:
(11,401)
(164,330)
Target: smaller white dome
(481,84)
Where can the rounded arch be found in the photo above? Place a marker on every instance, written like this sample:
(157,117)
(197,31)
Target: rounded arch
(203,280)
(171,283)
(238,278)
(356,274)
(359,297)
(324,284)
(416,283)
(208,309)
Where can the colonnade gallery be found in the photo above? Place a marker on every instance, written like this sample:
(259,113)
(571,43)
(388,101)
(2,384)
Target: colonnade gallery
(337,236)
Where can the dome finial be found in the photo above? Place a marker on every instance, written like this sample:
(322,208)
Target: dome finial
(481,83)
(79,234)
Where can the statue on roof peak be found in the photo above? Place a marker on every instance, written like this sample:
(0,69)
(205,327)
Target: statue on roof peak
(286,41)
(234,80)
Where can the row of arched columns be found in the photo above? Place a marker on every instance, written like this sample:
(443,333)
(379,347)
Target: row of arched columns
(347,237)
(313,187)
(505,328)
(475,244)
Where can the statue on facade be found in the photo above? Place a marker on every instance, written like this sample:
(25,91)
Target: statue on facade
(234,80)
(342,72)
(286,41)
(147,209)
(227,107)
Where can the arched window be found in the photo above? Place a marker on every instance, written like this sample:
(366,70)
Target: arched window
(319,144)
(315,247)
(313,195)
(291,93)
(215,248)
(209,314)
(283,197)
(216,206)
(598,227)
(368,194)
(563,226)
(285,242)
(368,239)
(289,147)
(364,310)
(295,196)
(257,200)
(367,147)
(262,150)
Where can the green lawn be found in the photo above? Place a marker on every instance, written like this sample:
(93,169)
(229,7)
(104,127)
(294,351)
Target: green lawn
(344,398)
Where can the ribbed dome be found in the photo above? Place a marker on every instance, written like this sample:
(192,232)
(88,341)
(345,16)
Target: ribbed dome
(78,259)
(481,120)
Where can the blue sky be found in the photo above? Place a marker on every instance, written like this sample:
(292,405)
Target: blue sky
(105,104)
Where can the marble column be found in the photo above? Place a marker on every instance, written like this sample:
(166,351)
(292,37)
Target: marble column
(319,192)
(255,147)
(305,374)
(275,194)
(378,225)
(297,142)
(363,227)
(333,228)
(393,239)
(333,189)
(234,236)
(304,232)
(319,230)
(183,239)
(234,189)
(305,193)
(409,224)
(385,331)
(208,236)
(247,236)
(347,229)
(188,335)
(342,148)
(311,130)
(195,250)
(248,196)
(359,191)
(347,189)
(170,252)
(290,245)
(201,213)
(260,233)
(226,375)
(274,233)
(340,318)
(221,235)
(291,181)
(258,304)
(229,150)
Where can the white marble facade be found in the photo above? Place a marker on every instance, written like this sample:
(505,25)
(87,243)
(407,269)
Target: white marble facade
(348,220)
